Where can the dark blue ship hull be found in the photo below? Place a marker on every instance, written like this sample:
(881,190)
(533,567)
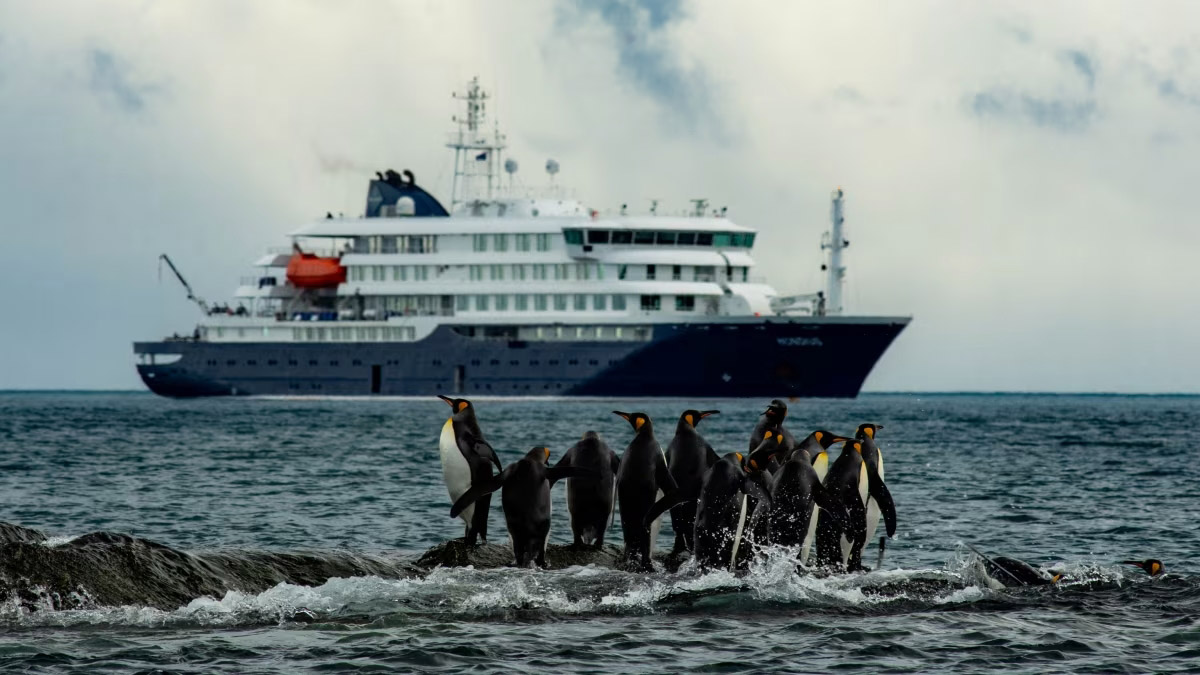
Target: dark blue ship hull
(828,357)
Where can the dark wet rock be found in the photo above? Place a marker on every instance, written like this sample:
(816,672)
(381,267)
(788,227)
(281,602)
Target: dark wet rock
(456,553)
(108,569)
(10,533)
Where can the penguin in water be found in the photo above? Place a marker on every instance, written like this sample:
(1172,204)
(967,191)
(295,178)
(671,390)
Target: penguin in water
(871,454)
(1152,567)
(1004,572)
(590,500)
(467,460)
(850,480)
(642,478)
(720,510)
(797,495)
(525,495)
(772,418)
(688,457)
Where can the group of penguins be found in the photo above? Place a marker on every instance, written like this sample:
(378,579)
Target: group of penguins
(779,492)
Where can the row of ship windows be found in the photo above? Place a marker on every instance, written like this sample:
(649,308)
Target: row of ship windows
(514,386)
(560,303)
(435,362)
(544,272)
(715,239)
(346,334)
(499,242)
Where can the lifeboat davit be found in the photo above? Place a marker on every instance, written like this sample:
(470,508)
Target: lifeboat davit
(309,270)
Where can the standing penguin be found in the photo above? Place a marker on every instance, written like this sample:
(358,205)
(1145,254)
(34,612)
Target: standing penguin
(688,457)
(850,481)
(467,460)
(874,459)
(525,496)
(642,478)
(772,418)
(719,511)
(797,495)
(590,500)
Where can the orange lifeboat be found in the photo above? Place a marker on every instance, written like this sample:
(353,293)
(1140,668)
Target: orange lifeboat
(309,270)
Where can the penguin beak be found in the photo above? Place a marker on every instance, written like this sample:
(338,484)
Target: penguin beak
(449,401)
(707,413)
(625,416)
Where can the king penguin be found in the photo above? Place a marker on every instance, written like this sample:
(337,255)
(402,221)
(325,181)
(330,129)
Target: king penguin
(851,482)
(797,496)
(525,495)
(874,459)
(688,457)
(590,500)
(772,418)
(467,459)
(643,477)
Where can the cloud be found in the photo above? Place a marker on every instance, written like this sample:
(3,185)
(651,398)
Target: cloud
(1059,111)
(1082,63)
(112,79)
(645,55)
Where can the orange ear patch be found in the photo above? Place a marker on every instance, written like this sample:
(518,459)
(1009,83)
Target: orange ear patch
(462,405)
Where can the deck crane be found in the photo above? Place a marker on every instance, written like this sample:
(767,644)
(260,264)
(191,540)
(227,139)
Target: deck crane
(188,287)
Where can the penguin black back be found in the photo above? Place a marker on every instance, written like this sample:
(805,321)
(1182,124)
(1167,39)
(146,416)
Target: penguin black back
(796,494)
(688,457)
(642,474)
(719,514)
(846,483)
(590,500)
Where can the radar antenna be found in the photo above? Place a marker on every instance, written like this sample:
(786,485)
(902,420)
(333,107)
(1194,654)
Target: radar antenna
(477,157)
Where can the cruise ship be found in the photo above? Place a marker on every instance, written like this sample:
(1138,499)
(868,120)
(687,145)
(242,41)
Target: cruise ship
(507,295)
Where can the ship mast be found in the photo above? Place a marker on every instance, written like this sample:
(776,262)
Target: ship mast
(835,241)
(477,156)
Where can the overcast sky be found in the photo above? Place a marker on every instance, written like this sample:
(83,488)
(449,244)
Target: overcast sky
(1021,178)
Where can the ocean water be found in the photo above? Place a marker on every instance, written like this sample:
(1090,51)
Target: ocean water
(353,489)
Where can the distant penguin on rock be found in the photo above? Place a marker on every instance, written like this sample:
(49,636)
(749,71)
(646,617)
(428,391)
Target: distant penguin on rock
(525,495)
(467,459)
(590,500)
(772,418)
(643,477)
(688,457)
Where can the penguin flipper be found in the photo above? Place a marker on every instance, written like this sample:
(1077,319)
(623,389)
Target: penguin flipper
(830,506)
(476,491)
(880,493)
(664,504)
(470,445)
(662,476)
(753,486)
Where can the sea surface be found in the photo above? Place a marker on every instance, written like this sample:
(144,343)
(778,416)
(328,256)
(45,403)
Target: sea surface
(1075,482)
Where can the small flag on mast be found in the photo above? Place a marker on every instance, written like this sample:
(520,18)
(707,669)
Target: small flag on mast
(481,157)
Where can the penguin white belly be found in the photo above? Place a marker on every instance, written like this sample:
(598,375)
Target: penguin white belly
(873,511)
(811,535)
(654,528)
(455,470)
(863,492)
(571,500)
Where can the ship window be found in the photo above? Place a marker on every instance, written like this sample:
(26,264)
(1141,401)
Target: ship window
(560,303)
(686,238)
(706,273)
(481,303)
(494,362)
(651,272)
(553,362)
(518,272)
(704,239)
(745,273)
(474,362)
(539,303)
(721,239)
(333,363)
(621,271)
(437,362)
(272,362)
(500,242)
(599,271)
(573,362)
(619,304)
(667,238)
(651,303)
(420,272)
(539,271)
(356,362)
(622,237)
(462,303)
(522,242)
(685,303)
(475,272)
(231,362)
(676,272)
(312,362)
(582,271)
(543,242)
(599,301)
(562,272)
(521,302)
(479,242)
(580,303)
(293,362)
(573,237)
(501,303)
(643,237)
(597,236)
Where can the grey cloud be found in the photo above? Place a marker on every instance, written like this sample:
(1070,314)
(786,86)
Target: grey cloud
(334,163)
(112,79)
(1082,63)
(1058,114)
(848,94)
(645,55)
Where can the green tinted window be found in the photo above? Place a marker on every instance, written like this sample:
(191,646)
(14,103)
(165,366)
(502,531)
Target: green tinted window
(748,239)
(574,237)
(735,239)
(720,239)
(643,237)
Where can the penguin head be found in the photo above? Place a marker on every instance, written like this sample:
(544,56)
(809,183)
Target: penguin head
(540,454)
(824,439)
(777,411)
(770,446)
(1151,566)
(456,404)
(867,431)
(640,421)
(693,417)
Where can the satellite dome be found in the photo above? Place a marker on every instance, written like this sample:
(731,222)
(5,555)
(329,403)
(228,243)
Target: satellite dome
(510,165)
(552,166)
